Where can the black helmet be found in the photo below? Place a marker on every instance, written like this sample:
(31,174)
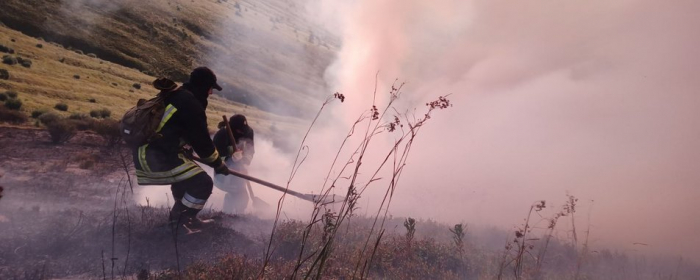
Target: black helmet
(203,76)
(238,121)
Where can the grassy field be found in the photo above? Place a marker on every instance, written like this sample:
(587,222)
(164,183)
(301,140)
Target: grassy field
(85,83)
(266,54)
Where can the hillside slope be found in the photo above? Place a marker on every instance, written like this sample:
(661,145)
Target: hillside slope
(85,83)
(266,54)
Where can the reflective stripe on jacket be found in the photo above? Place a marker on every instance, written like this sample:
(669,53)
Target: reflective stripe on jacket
(162,161)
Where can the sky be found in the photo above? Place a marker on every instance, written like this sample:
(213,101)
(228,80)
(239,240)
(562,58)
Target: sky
(595,99)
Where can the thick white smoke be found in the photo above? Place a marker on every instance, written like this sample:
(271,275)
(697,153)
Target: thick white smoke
(594,98)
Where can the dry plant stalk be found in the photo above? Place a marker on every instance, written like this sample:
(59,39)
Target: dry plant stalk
(311,262)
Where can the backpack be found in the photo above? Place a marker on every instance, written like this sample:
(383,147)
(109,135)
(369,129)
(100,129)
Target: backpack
(139,124)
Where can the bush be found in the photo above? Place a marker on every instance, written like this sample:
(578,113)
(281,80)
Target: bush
(79,52)
(26,63)
(105,113)
(76,76)
(11,116)
(37,113)
(102,113)
(83,124)
(4,74)
(109,130)
(136,85)
(49,118)
(11,94)
(6,49)
(95,114)
(78,116)
(92,55)
(13,104)
(61,131)
(92,100)
(3,96)
(9,59)
(61,107)
(39,46)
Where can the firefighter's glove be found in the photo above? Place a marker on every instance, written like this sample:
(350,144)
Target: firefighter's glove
(237,156)
(188,151)
(222,169)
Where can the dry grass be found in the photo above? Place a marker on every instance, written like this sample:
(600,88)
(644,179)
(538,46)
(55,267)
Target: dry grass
(261,50)
(50,81)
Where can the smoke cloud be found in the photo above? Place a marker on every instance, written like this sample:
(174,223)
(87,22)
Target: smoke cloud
(596,99)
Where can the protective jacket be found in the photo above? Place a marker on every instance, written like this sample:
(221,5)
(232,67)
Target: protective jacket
(244,142)
(163,161)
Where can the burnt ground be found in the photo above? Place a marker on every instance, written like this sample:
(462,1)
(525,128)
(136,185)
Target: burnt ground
(67,212)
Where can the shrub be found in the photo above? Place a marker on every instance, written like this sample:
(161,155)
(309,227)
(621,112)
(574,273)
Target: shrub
(11,94)
(6,49)
(115,84)
(83,124)
(4,74)
(49,118)
(109,130)
(92,55)
(137,86)
(9,59)
(92,100)
(3,96)
(39,46)
(78,116)
(26,63)
(61,131)
(37,113)
(61,107)
(12,116)
(79,52)
(76,76)
(13,104)
(102,113)
(105,113)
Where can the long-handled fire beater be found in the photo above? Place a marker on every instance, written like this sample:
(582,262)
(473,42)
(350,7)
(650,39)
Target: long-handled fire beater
(309,197)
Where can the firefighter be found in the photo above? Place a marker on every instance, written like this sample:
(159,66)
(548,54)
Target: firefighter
(165,160)
(236,198)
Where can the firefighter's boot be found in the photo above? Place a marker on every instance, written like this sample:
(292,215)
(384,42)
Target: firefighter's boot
(193,223)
